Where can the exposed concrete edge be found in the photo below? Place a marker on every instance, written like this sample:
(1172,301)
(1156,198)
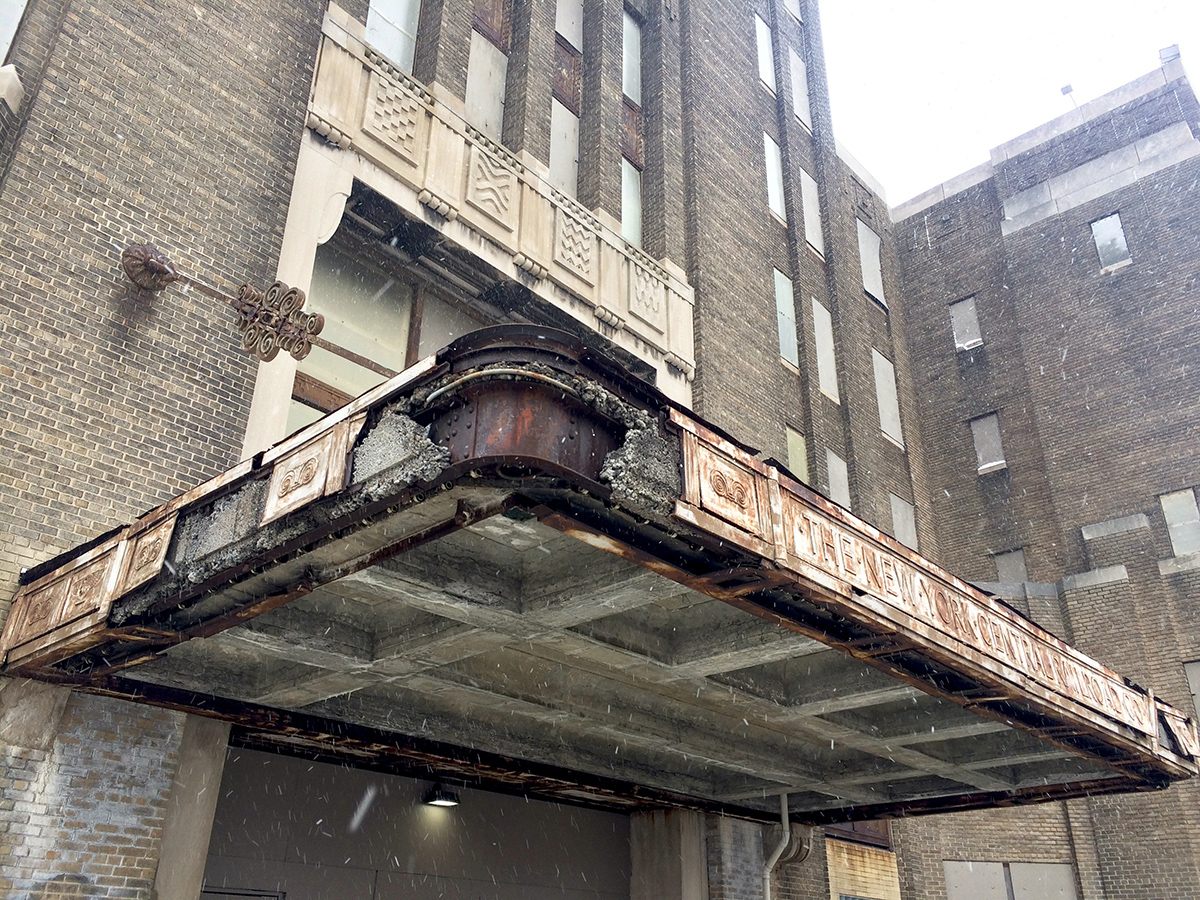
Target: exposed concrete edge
(1109,527)
(943,191)
(860,170)
(1177,565)
(1095,578)
(12,92)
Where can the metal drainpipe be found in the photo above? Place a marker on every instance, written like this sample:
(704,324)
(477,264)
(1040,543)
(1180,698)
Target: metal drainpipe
(784,840)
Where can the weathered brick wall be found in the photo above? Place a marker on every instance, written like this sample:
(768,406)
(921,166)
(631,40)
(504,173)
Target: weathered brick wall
(81,816)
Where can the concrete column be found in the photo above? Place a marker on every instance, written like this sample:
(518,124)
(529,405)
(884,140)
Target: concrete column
(667,851)
(319,195)
(191,805)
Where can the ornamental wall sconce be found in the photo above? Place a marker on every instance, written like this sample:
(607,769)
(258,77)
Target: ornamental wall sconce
(270,320)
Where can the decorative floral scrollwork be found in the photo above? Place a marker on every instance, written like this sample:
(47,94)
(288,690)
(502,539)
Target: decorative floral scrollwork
(299,476)
(274,320)
(730,489)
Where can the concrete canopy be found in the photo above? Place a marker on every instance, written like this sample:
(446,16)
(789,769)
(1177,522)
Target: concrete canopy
(518,565)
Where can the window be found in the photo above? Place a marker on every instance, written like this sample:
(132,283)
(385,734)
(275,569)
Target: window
(793,7)
(766,53)
(487,67)
(810,197)
(10,18)
(826,355)
(885,396)
(1192,670)
(391,29)
(904,522)
(800,102)
(632,133)
(1183,521)
(1010,566)
(1009,881)
(797,451)
(774,176)
(378,321)
(1110,242)
(965,324)
(567,102)
(839,479)
(631,60)
(785,314)
(868,255)
(631,203)
(989,452)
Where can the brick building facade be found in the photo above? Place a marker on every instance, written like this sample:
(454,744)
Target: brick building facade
(769,289)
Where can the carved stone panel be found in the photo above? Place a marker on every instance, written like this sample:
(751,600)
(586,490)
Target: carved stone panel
(730,491)
(317,468)
(393,116)
(491,187)
(647,297)
(574,245)
(146,555)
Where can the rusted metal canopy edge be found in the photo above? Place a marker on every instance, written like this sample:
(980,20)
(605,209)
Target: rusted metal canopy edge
(797,539)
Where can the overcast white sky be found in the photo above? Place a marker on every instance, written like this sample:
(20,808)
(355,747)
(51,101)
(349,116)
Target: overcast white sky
(922,90)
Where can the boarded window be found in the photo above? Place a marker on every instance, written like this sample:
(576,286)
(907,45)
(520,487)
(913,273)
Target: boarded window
(797,451)
(774,176)
(1009,881)
(631,60)
(1110,241)
(785,314)
(965,324)
(564,148)
(1010,566)
(568,21)
(391,29)
(904,521)
(487,71)
(868,255)
(631,203)
(800,102)
(766,53)
(826,354)
(989,452)
(1183,521)
(1192,670)
(810,197)
(885,396)
(839,479)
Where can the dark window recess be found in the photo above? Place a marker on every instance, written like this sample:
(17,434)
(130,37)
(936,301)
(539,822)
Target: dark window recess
(876,832)
(633,140)
(568,75)
(493,19)
(862,197)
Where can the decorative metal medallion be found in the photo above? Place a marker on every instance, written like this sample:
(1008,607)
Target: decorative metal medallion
(275,320)
(148,267)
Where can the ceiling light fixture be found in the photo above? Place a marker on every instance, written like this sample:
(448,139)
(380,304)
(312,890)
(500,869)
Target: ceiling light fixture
(440,796)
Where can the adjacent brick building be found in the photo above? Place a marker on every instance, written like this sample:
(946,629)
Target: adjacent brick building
(662,180)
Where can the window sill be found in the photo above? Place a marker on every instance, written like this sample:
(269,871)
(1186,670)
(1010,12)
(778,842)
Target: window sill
(778,218)
(790,366)
(1117,267)
(895,443)
(832,399)
(991,467)
(962,348)
(805,125)
(879,300)
(815,252)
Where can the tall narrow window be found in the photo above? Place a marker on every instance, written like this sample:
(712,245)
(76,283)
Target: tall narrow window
(774,164)
(797,449)
(989,452)
(839,479)
(800,102)
(1192,670)
(566,105)
(965,324)
(391,29)
(904,521)
(766,53)
(885,396)
(785,313)
(1110,242)
(1010,566)
(633,141)
(826,355)
(1183,521)
(868,255)
(810,197)
(487,66)
(10,17)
